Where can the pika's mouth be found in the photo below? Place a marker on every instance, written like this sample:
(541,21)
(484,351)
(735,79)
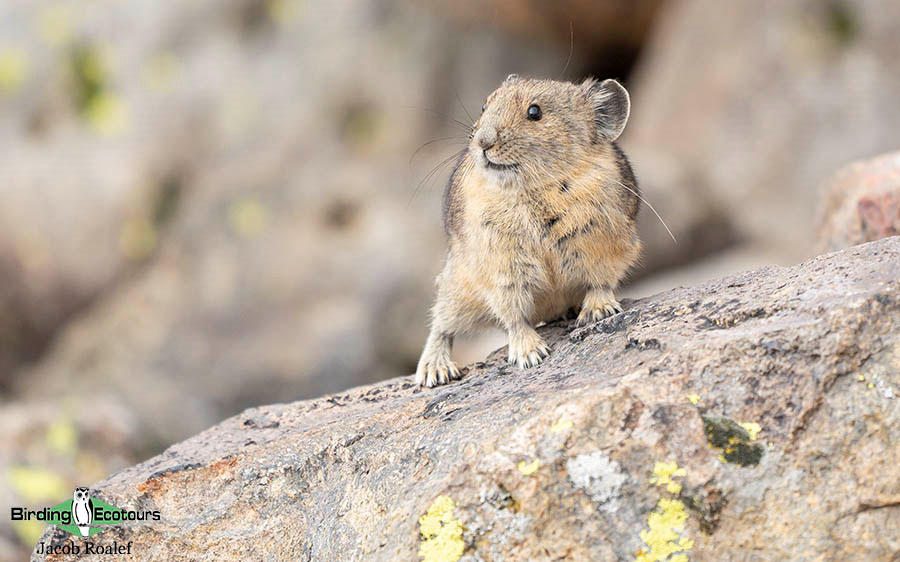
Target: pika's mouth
(499,167)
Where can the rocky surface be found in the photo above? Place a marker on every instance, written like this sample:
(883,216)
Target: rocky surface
(861,203)
(755,417)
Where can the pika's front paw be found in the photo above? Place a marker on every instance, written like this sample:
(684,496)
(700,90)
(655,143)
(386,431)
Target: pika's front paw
(598,312)
(436,369)
(599,303)
(527,349)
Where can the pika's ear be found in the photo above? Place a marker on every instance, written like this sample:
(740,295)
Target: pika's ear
(612,106)
(511,78)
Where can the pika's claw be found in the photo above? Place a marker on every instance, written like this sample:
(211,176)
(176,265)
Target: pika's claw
(592,315)
(435,370)
(598,304)
(527,349)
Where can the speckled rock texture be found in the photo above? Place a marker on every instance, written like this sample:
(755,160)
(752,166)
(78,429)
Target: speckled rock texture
(861,203)
(755,417)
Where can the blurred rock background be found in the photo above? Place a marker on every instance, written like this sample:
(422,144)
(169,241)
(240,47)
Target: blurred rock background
(209,205)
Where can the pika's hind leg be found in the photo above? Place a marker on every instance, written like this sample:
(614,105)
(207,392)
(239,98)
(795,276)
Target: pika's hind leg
(599,303)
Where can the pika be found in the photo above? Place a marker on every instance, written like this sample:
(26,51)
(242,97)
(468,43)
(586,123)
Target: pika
(540,215)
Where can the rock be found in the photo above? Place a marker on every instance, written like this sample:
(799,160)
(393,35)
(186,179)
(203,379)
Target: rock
(759,102)
(862,203)
(676,206)
(605,37)
(752,417)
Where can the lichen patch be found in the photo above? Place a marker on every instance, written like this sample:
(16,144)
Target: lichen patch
(529,468)
(663,474)
(736,441)
(599,476)
(664,538)
(562,424)
(441,532)
(752,429)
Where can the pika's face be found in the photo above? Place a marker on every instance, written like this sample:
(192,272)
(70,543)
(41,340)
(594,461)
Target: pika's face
(537,129)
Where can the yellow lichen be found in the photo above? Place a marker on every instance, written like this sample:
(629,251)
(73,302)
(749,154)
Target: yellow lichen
(529,468)
(692,398)
(752,428)
(663,473)
(441,532)
(562,424)
(665,538)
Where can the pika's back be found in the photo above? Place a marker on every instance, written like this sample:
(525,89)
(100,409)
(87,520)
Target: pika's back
(537,135)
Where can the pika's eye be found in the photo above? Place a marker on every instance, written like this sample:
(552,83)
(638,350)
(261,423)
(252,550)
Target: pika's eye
(483,107)
(534,112)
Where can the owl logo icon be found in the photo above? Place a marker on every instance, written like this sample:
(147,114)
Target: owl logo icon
(83,510)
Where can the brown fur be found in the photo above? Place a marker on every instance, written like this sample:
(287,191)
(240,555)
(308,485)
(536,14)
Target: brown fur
(553,231)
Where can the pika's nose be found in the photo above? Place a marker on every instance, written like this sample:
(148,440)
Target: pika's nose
(486,137)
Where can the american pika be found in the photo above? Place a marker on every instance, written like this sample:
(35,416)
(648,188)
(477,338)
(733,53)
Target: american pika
(540,216)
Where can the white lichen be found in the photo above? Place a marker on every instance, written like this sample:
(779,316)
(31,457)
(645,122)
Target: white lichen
(599,476)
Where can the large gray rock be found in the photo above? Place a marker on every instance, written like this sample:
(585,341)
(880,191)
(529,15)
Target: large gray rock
(757,102)
(754,417)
